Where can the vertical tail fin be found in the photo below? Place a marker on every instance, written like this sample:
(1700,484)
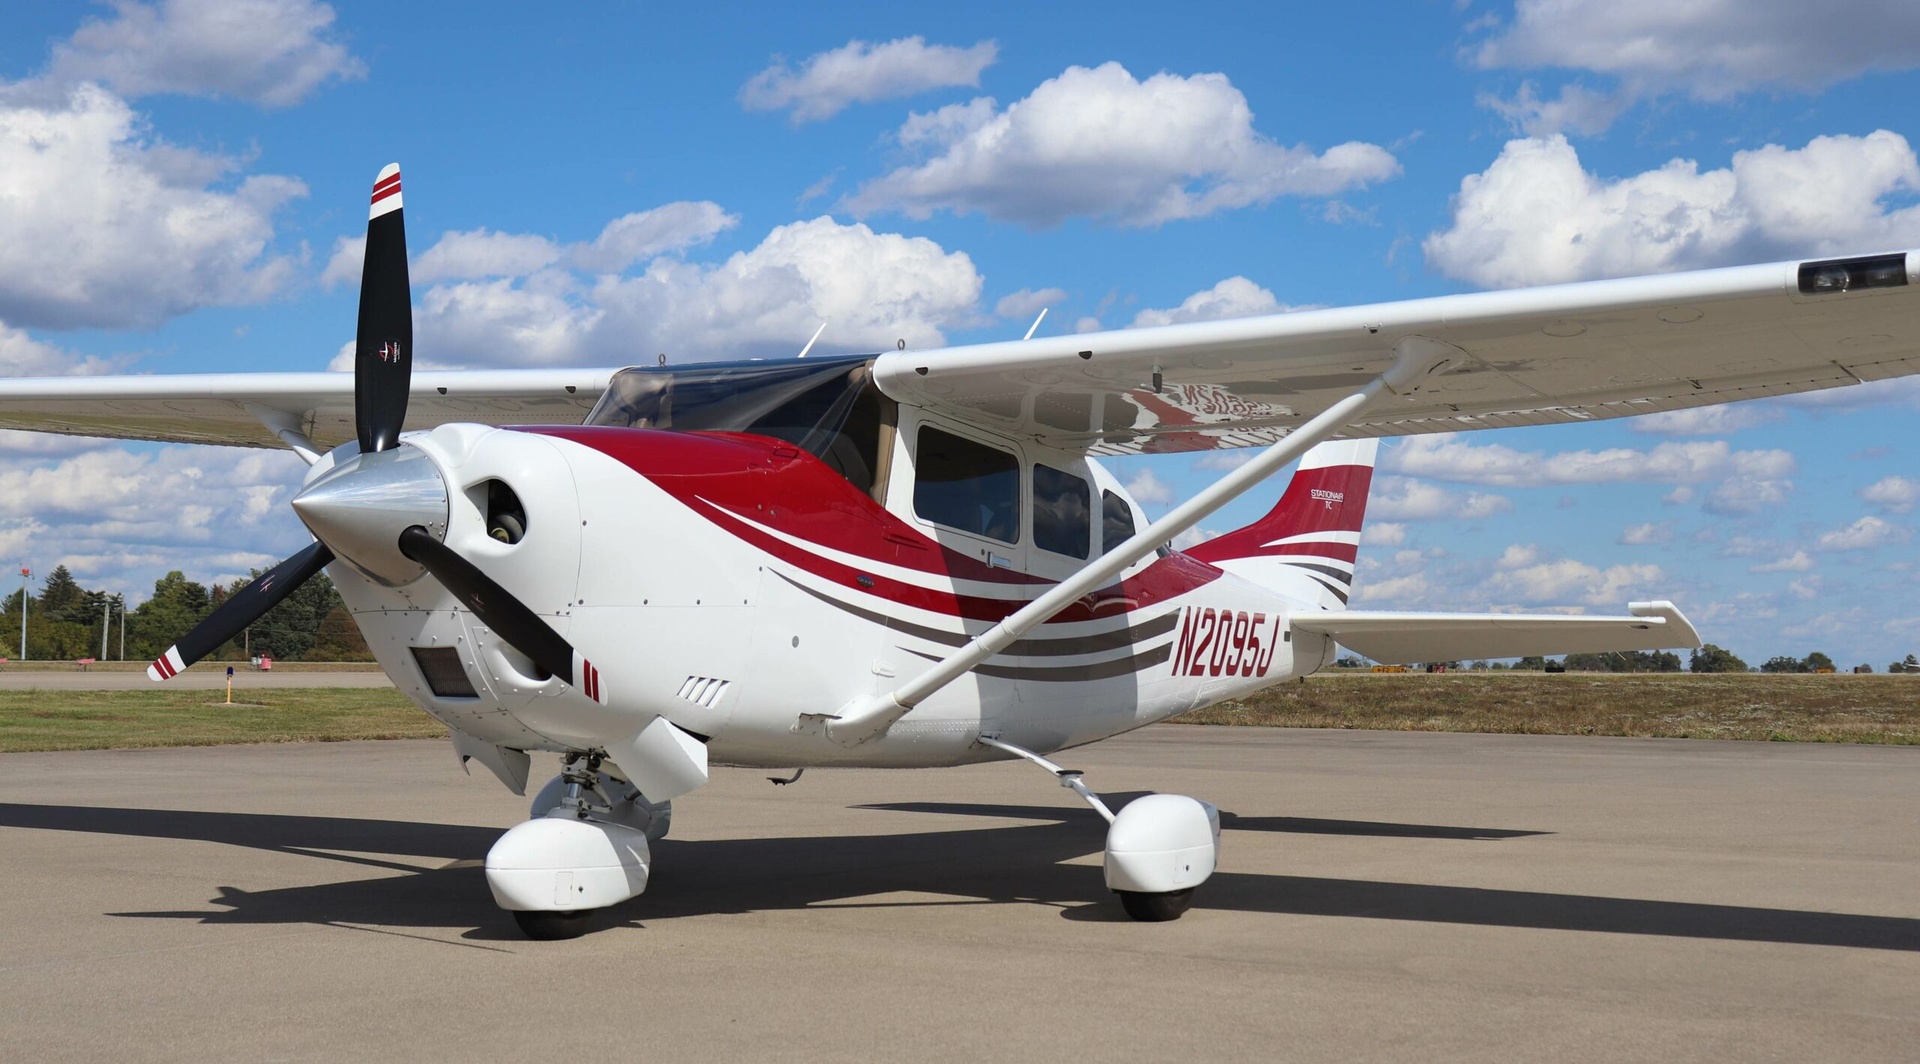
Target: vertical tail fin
(1306,545)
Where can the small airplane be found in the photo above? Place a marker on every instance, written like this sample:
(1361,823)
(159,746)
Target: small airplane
(913,559)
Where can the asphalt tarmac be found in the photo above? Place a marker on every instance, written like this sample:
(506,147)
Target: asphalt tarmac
(1387,896)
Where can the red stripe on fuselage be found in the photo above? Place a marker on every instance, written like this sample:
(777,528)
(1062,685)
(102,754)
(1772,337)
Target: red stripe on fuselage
(722,474)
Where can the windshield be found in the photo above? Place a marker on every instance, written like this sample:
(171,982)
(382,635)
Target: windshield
(825,406)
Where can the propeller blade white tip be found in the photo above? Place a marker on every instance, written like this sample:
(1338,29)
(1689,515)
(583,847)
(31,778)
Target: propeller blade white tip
(166,666)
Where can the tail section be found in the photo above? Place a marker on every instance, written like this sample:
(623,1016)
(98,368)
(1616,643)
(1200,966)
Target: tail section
(1305,547)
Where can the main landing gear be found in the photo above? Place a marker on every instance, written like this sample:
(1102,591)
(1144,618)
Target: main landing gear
(1159,847)
(585,849)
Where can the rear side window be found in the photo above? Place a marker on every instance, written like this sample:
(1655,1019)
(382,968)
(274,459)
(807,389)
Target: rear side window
(1116,521)
(1062,508)
(966,485)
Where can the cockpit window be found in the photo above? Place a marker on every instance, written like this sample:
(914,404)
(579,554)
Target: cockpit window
(1060,511)
(827,407)
(966,485)
(1116,521)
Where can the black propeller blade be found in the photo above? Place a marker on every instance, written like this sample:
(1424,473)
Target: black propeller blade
(499,610)
(243,608)
(383,352)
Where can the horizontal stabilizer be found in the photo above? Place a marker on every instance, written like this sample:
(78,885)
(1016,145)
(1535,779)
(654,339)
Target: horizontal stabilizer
(1398,638)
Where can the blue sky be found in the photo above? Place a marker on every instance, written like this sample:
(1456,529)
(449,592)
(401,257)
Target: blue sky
(180,183)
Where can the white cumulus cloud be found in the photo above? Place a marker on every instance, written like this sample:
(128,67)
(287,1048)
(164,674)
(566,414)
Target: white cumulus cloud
(1709,49)
(1526,577)
(1797,562)
(23,356)
(1150,490)
(101,226)
(1864,534)
(1100,143)
(1407,499)
(873,289)
(1647,534)
(1235,297)
(269,52)
(827,83)
(1449,456)
(1383,534)
(1895,494)
(473,254)
(1740,495)
(120,518)
(1577,109)
(1707,420)
(646,234)
(1028,302)
(1537,216)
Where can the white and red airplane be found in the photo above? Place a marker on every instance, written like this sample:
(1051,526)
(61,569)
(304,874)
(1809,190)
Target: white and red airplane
(911,559)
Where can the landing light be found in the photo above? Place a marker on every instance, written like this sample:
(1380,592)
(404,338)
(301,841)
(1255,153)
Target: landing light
(1845,275)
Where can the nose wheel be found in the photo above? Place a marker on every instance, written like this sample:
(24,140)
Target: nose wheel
(553,871)
(1159,847)
(550,926)
(1151,908)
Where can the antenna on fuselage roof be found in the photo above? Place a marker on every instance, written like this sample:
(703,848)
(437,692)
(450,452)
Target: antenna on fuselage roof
(1036,324)
(816,336)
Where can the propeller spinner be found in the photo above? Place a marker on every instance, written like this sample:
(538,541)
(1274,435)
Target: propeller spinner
(384,511)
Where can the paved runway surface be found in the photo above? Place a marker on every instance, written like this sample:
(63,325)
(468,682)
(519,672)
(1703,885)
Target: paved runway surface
(1382,896)
(202,678)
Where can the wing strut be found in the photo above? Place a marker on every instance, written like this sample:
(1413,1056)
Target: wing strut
(1415,358)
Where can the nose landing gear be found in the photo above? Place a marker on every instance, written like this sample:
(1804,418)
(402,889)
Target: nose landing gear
(577,854)
(1159,846)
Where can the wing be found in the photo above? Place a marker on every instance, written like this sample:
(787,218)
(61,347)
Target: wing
(1575,352)
(1398,638)
(234,408)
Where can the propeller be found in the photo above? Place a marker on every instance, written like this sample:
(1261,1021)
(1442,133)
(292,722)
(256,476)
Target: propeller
(241,609)
(346,505)
(499,610)
(383,343)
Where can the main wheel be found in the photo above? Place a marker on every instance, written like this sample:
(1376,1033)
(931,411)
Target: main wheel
(551,926)
(1154,908)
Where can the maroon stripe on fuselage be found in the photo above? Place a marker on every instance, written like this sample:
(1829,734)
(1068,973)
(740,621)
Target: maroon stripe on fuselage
(723,474)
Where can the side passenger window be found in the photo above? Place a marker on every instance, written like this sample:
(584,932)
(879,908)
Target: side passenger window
(1116,521)
(966,485)
(1062,508)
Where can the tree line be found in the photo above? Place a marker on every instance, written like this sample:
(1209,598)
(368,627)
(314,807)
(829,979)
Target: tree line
(66,621)
(1708,658)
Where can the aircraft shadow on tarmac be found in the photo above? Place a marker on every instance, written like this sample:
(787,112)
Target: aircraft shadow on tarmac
(997,864)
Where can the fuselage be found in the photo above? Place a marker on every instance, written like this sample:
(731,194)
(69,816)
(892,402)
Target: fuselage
(733,582)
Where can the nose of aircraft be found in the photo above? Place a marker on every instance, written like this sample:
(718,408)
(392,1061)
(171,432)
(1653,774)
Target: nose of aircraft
(360,507)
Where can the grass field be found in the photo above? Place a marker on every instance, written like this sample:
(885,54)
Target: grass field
(1839,709)
(1792,708)
(93,720)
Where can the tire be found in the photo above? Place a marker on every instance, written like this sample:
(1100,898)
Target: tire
(1155,908)
(551,926)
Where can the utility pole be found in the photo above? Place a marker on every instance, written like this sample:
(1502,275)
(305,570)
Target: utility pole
(123,629)
(106,625)
(24,573)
